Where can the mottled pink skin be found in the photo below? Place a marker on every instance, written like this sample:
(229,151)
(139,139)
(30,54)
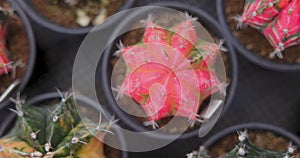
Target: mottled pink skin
(259,13)
(210,57)
(160,76)
(284,31)
(3,50)
(154,33)
(184,38)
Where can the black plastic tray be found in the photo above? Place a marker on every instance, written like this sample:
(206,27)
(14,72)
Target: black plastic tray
(261,96)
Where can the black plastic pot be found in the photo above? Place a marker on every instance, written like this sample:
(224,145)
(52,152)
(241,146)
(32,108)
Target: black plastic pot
(253,127)
(254,58)
(105,69)
(32,53)
(9,122)
(50,35)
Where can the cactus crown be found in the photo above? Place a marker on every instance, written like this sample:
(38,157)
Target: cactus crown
(170,71)
(246,149)
(278,20)
(51,131)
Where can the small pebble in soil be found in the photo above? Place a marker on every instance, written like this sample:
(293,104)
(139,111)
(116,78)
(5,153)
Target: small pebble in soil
(100,18)
(227,10)
(236,34)
(263,52)
(82,18)
(249,46)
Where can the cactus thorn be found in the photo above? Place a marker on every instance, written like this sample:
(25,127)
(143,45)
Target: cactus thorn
(14,67)
(221,45)
(48,147)
(151,123)
(36,154)
(120,47)
(291,148)
(33,135)
(190,17)
(18,112)
(18,100)
(242,151)
(192,121)
(240,21)
(242,135)
(277,52)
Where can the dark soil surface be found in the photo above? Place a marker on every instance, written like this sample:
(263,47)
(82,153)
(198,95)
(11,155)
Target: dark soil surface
(54,10)
(252,39)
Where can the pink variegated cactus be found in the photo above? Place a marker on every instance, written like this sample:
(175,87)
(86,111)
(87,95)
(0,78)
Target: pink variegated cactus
(278,20)
(170,72)
(284,31)
(259,13)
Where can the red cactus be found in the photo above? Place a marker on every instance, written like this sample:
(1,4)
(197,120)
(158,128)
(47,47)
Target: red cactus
(284,31)
(160,75)
(259,13)
(4,61)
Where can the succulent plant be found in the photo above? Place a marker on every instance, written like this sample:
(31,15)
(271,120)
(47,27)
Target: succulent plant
(284,31)
(170,71)
(278,20)
(52,132)
(246,149)
(259,13)
(4,61)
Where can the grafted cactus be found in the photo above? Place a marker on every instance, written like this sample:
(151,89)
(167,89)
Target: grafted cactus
(284,31)
(52,132)
(246,149)
(259,13)
(170,71)
(278,20)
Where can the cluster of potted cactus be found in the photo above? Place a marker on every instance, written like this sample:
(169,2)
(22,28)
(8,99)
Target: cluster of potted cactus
(170,72)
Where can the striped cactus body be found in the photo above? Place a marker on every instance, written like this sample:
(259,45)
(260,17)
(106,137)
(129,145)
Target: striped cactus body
(259,13)
(284,31)
(278,20)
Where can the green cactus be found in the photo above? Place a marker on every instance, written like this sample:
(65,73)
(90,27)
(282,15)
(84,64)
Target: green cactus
(246,149)
(52,132)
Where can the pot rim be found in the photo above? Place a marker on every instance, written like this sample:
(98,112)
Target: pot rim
(256,59)
(32,53)
(133,124)
(55,95)
(34,14)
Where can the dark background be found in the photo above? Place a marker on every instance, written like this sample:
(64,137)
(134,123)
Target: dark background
(261,96)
